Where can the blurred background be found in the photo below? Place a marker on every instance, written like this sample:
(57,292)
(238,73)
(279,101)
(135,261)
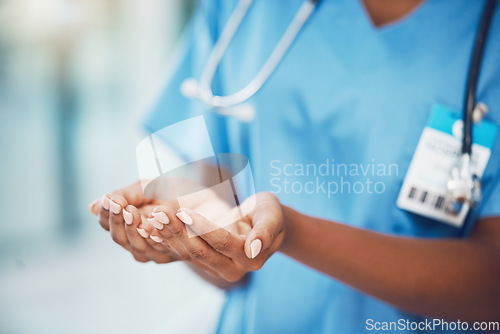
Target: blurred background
(76,77)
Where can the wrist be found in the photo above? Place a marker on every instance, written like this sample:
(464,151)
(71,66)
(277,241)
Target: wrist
(289,221)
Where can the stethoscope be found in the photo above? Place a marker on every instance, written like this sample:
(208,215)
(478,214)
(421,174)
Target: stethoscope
(463,186)
(234,104)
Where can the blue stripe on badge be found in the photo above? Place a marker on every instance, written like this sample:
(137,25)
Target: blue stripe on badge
(443,119)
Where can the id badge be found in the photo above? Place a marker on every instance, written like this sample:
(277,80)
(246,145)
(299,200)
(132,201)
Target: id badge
(439,149)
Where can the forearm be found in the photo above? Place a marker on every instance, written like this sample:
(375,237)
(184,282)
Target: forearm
(442,278)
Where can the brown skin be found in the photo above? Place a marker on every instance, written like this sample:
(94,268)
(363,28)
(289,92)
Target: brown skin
(449,278)
(383,12)
(445,278)
(222,257)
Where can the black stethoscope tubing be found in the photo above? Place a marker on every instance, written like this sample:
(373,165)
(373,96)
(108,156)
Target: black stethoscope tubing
(473,75)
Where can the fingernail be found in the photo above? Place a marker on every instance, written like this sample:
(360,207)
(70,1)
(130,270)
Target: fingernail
(143,233)
(184,217)
(155,223)
(128,217)
(161,217)
(255,247)
(156,238)
(105,202)
(115,208)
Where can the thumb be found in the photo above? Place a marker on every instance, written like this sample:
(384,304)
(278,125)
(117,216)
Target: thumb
(266,226)
(94,206)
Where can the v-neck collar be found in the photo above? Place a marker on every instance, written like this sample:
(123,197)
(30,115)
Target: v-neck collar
(394,25)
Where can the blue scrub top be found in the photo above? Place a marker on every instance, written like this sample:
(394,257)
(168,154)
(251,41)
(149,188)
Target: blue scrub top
(349,92)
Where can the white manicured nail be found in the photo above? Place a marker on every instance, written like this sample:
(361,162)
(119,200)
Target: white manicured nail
(115,208)
(143,233)
(255,247)
(105,202)
(161,217)
(127,216)
(156,238)
(155,223)
(184,217)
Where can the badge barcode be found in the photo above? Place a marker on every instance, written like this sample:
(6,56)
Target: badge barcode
(427,198)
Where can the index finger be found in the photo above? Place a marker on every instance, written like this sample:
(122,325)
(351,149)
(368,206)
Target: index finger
(221,240)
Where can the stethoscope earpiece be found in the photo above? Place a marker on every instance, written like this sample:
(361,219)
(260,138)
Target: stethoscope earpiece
(244,112)
(190,88)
